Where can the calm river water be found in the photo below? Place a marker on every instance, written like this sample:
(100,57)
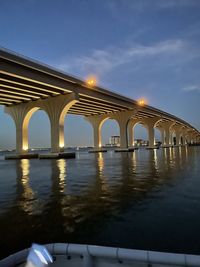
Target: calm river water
(143,199)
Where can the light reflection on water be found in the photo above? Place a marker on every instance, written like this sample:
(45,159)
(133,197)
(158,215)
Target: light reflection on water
(147,199)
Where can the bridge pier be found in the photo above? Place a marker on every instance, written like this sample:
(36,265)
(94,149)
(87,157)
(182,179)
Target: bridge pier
(57,136)
(56,109)
(177,129)
(167,137)
(123,118)
(167,133)
(162,135)
(184,135)
(151,122)
(96,122)
(130,136)
(131,124)
(151,136)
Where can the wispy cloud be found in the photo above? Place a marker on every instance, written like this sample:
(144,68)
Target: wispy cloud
(143,5)
(103,61)
(191,88)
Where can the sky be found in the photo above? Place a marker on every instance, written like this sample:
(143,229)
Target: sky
(138,48)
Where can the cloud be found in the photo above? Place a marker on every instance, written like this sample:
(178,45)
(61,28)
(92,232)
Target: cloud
(144,5)
(191,88)
(104,61)
(162,47)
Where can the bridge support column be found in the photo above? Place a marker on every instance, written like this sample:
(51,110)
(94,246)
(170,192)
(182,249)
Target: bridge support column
(57,136)
(166,127)
(123,135)
(178,129)
(167,137)
(151,136)
(21,115)
(162,131)
(131,125)
(123,119)
(57,108)
(195,138)
(187,139)
(131,136)
(184,134)
(96,123)
(21,139)
(150,122)
(184,140)
(163,136)
(178,139)
(191,138)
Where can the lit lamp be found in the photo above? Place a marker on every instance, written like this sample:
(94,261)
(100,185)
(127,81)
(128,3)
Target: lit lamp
(141,102)
(61,146)
(91,81)
(25,148)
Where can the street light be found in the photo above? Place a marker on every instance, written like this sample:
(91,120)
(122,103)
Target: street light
(142,102)
(91,81)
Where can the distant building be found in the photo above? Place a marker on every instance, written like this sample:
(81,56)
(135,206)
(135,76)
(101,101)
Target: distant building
(114,140)
(140,142)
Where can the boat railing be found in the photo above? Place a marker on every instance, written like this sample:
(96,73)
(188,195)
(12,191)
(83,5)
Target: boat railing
(89,255)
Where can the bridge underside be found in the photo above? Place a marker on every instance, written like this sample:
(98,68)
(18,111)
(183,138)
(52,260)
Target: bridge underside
(26,86)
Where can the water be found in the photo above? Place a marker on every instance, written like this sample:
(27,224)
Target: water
(147,199)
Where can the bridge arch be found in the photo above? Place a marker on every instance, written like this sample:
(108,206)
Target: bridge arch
(25,124)
(115,131)
(132,125)
(61,121)
(160,132)
(97,122)
(39,137)
(159,135)
(140,129)
(173,137)
(72,135)
(7,133)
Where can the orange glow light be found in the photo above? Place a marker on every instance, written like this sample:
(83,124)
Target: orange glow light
(141,102)
(91,81)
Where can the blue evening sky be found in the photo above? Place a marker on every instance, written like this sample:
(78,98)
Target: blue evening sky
(139,48)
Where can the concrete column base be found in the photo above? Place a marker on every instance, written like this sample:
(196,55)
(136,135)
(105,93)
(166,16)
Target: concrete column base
(121,150)
(67,155)
(152,147)
(41,156)
(97,150)
(22,156)
(131,148)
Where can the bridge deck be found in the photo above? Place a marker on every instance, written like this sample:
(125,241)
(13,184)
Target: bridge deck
(23,80)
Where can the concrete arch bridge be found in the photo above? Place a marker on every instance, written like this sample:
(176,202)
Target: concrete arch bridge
(27,86)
